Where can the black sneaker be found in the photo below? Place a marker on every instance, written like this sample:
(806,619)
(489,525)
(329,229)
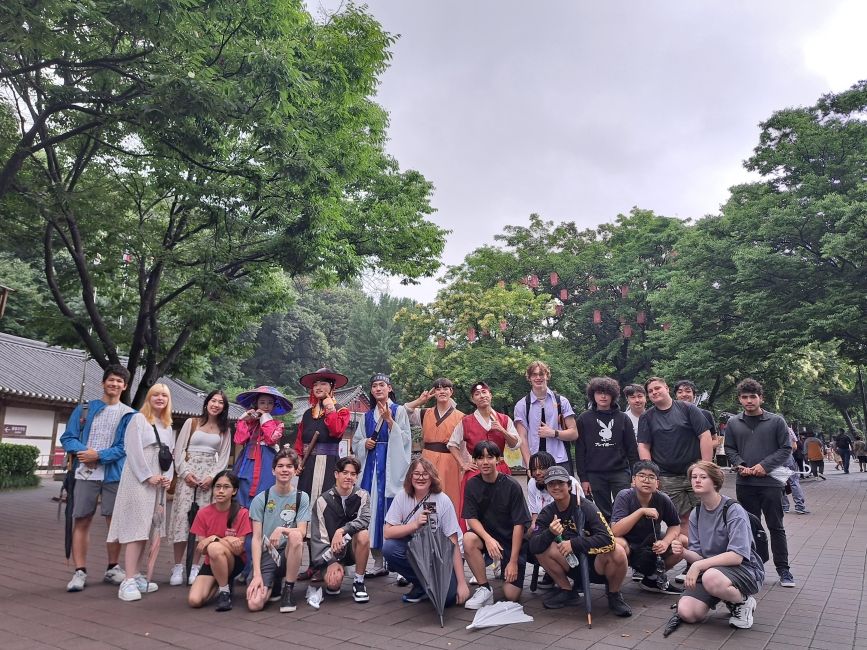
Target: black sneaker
(224,601)
(287,600)
(277,591)
(618,606)
(650,584)
(416,595)
(558,598)
(359,592)
(545,582)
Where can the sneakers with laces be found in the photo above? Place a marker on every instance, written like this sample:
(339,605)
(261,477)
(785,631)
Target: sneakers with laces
(144,586)
(114,576)
(416,595)
(649,584)
(224,601)
(801,511)
(287,600)
(79,578)
(177,578)
(194,573)
(742,613)
(787,579)
(559,598)
(359,592)
(129,591)
(618,606)
(637,576)
(482,596)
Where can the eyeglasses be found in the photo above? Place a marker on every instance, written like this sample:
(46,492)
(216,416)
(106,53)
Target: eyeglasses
(647,478)
(420,475)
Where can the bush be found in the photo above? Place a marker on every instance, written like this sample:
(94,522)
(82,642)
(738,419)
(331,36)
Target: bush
(18,466)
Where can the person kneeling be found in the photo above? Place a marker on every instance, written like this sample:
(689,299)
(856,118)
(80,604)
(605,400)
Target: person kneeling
(570,526)
(220,529)
(280,516)
(423,502)
(497,517)
(722,553)
(635,522)
(338,530)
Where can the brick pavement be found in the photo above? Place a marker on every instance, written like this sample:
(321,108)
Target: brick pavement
(827,610)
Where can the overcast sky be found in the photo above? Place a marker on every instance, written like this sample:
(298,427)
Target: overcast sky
(579,110)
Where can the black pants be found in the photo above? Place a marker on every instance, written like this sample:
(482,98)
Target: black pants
(768,501)
(845,456)
(817,467)
(605,486)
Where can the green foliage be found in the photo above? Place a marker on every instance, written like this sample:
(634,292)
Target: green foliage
(18,466)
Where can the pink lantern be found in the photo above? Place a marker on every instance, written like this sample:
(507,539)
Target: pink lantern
(564,294)
(471,334)
(501,284)
(503,325)
(533,282)
(591,287)
(666,327)
(641,318)
(597,317)
(486,332)
(554,278)
(624,291)
(441,343)
(627,331)
(558,309)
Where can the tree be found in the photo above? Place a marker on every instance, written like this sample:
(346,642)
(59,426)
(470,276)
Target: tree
(170,159)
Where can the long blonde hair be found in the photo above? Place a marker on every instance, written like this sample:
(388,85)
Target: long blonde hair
(148,411)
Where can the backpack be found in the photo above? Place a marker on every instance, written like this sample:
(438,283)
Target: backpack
(569,446)
(760,537)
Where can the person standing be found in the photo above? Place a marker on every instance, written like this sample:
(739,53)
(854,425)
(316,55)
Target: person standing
(544,419)
(142,482)
(686,391)
(636,398)
(757,442)
(815,454)
(259,432)
(844,449)
(201,452)
(437,425)
(606,447)
(320,431)
(382,444)
(95,437)
(859,450)
(795,480)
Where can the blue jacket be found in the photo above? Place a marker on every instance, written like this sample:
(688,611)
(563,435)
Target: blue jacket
(75,438)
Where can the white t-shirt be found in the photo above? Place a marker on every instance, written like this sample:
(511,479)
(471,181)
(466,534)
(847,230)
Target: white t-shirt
(538,499)
(101,436)
(443,519)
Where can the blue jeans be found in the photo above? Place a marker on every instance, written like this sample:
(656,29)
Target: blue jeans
(394,552)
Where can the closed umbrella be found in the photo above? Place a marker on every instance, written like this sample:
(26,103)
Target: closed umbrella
(67,488)
(156,528)
(191,536)
(430,553)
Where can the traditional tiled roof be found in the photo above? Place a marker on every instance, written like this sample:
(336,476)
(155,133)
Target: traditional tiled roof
(36,371)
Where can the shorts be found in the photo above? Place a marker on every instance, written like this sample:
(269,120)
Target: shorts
(270,568)
(85,495)
(234,572)
(679,490)
(741,578)
(642,558)
(522,562)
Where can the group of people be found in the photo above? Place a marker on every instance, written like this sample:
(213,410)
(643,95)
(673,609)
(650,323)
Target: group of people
(601,484)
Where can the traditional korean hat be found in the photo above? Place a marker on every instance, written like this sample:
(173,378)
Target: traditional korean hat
(324,374)
(247,399)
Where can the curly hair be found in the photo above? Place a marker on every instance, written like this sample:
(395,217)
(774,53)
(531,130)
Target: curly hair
(749,386)
(436,485)
(603,385)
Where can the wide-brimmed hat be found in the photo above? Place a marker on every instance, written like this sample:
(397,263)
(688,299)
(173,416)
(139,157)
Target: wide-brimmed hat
(324,374)
(248,398)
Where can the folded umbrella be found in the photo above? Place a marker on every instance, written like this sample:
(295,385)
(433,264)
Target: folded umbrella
(430,553)
(156,527)
(68,487)
(502,613)
(191,536)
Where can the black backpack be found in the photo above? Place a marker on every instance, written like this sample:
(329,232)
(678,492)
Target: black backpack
(760,537)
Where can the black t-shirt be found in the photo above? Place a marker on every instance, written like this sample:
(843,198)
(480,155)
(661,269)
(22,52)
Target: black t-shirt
(627,502)
(673,436)
(499,506)
(843,442)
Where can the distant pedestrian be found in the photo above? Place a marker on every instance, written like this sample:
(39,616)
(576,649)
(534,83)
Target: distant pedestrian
(795,480)
(859,450)
(844,450)
(814,451)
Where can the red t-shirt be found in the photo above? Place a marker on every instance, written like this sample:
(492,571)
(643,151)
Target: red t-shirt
(210,521)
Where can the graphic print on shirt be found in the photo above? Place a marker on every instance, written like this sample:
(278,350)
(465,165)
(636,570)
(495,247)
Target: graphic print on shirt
(287,515)
(605,433)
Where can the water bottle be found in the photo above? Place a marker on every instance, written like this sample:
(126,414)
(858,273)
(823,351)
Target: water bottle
(571,559)
(328,555)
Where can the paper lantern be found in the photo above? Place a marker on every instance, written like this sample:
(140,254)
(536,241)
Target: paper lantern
(558,309)
(627,331)
(471,334)
(555,279)
(441,343)
(486,332)
(641,318)
(564,294)
(591,285)
(533,282)
(624,290)
(597,317)
(501,284)
(666,326)
(503,325)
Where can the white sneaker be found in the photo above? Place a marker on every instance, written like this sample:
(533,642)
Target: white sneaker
(742,614)
(77,582)
(144,586)
(114,576)
(129,590)
(194,572)
(483,596)
(177,578)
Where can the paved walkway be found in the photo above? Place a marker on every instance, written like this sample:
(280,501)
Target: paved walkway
(827,610)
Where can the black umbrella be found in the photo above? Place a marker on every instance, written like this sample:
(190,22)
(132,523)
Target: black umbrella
(430,553)
(191,536)
(68,487)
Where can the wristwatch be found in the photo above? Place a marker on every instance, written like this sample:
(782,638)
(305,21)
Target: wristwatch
(556,433)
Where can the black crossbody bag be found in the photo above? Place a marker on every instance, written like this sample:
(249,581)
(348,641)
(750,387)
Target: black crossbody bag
(165,454)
